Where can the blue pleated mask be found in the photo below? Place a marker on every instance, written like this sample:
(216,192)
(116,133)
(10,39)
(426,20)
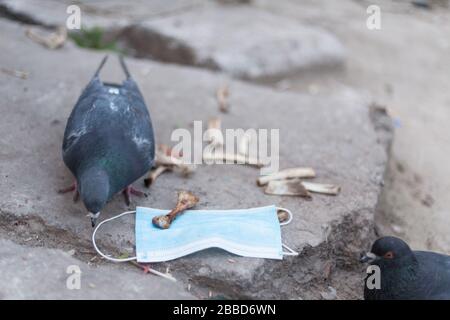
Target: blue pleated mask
(251,232)
(246,232)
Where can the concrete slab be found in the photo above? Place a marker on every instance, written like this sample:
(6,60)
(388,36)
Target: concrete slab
(109,14)
(241,40)
(40,273)
(334,134)
(414,204)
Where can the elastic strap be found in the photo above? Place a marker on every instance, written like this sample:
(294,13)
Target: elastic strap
(95,245)
(289,213)
(290,251)
(124,259)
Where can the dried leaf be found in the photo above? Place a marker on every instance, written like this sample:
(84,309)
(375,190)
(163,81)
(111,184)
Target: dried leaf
(282,216)
(168,151)
(52,41)
(329,189)
(287,174)
(162,159)
(231,158)
(154,174)
(287,188)
(15,73)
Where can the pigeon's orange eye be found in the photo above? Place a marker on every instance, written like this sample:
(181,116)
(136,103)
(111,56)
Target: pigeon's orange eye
(389,255)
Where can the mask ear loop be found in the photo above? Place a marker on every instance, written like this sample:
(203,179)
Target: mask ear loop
(124,259)
(95,245)
(290,251)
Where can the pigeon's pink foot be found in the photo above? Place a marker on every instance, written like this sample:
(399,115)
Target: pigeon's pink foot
(146,268)
(128,191)
(72,188)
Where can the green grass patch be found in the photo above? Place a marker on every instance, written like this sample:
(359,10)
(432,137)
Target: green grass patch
(93,38)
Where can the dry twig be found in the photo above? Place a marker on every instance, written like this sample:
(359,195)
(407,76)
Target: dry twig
(147,269)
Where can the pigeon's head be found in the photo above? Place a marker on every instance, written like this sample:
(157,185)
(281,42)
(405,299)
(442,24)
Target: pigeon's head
(389,251)
(93,186)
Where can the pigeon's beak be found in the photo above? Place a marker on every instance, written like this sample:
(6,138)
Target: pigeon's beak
(367,257)
(93,217)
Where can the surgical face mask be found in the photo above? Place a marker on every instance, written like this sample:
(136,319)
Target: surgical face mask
(246,232)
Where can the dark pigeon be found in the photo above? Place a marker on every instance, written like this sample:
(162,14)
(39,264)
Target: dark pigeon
(407,274)
(108,141)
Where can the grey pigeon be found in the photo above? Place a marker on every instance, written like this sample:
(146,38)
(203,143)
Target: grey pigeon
(407,274)
(108,141)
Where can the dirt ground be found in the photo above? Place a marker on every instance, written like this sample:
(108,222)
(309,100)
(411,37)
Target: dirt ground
(404,67)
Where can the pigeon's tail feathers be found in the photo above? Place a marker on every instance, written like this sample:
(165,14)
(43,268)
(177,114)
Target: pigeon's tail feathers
(124,66)
(101,66)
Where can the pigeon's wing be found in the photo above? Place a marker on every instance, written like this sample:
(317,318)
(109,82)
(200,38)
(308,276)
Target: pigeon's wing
(440,296)
(76,124)
(139,119)
(141,129)
(435,269)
